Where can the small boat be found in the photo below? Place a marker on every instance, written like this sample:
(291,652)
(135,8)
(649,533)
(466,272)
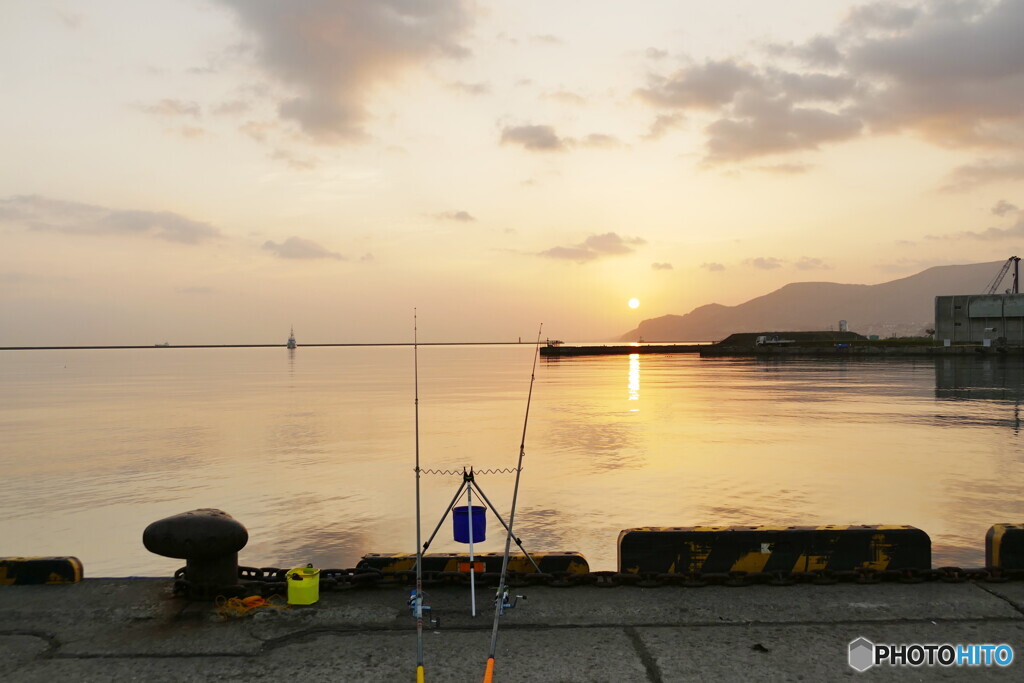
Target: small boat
(291,339)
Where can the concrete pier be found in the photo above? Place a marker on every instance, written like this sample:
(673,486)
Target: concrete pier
(134,629)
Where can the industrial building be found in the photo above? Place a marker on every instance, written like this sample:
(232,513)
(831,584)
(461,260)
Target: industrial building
(986,319)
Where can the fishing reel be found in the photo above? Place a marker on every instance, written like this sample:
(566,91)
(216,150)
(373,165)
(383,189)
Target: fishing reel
(434,623)
(505,603)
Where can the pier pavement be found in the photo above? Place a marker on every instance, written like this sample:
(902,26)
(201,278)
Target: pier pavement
(134,629)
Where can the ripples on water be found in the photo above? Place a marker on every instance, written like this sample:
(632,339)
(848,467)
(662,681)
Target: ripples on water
(313,449)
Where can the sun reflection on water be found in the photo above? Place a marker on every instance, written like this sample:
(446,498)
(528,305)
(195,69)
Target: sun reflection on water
(634,379)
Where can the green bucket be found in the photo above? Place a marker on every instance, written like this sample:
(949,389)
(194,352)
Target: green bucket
(303,585)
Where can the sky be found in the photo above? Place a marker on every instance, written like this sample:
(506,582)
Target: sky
(218,171)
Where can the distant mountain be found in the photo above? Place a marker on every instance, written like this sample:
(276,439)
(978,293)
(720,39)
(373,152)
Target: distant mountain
(900,307)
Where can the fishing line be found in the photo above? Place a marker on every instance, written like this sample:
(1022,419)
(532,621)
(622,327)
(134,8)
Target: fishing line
(418,597)
(459,473)
(499,602)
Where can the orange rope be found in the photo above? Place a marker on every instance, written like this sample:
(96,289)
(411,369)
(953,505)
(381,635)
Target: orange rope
(228,608)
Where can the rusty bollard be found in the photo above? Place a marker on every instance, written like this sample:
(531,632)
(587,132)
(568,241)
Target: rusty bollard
(208,540)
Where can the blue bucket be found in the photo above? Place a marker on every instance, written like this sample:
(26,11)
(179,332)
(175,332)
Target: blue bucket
(460,517)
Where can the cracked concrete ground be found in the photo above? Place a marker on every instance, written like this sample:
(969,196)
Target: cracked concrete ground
(133,629)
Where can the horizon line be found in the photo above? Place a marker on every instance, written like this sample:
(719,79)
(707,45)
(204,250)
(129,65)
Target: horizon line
(284,346)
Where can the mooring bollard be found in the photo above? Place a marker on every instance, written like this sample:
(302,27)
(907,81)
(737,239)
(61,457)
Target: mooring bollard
(208,540)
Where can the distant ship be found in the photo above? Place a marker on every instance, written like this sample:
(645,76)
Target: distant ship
(291,339)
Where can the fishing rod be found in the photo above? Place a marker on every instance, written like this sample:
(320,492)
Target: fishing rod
(499,602)
(418,595)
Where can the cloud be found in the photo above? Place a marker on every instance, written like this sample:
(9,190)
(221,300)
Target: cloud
(210,68)
(661,266)
(881,15)
(171,107)
(812,87)
(74,218)
(471,88)
(948,72)
(809,263)
(952,73)
(332,54)
(1003,207)
(160,224)
(595,247)
(706,86)
(546,39)
(232,108)
(21,278)
(985,171)
(786,169)
(713,267)
(459,216)
(820,51)
(600,140)
(1015,231)
(611,243)
(70,20)
(533,138)
(299,163)
(655,53)
(299,248)
(256,130)
(545,139)
(766,125)
(663,124)
(764,262)
(188,132)
(761,111)
(578,254)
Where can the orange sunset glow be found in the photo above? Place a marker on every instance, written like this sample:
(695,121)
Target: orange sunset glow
(216,171)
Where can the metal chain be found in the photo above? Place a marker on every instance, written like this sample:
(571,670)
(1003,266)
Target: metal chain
(268,581)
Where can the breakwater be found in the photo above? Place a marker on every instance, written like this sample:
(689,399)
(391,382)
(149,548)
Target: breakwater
(619,350)
(861,350)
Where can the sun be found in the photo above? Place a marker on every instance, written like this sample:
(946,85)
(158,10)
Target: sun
(634,303)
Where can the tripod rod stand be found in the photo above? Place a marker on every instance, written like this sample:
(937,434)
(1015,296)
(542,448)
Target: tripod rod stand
(469,481)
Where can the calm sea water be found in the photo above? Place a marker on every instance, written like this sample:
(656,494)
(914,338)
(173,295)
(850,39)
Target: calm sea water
(313,449)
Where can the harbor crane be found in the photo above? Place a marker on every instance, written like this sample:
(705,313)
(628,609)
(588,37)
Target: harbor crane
(1014,262)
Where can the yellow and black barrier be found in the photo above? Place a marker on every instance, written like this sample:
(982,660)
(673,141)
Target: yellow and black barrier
(721,549)
(549,563)
(24,571)
(1004,547)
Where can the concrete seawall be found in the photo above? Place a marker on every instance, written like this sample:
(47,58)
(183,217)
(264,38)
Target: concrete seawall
(133,629)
